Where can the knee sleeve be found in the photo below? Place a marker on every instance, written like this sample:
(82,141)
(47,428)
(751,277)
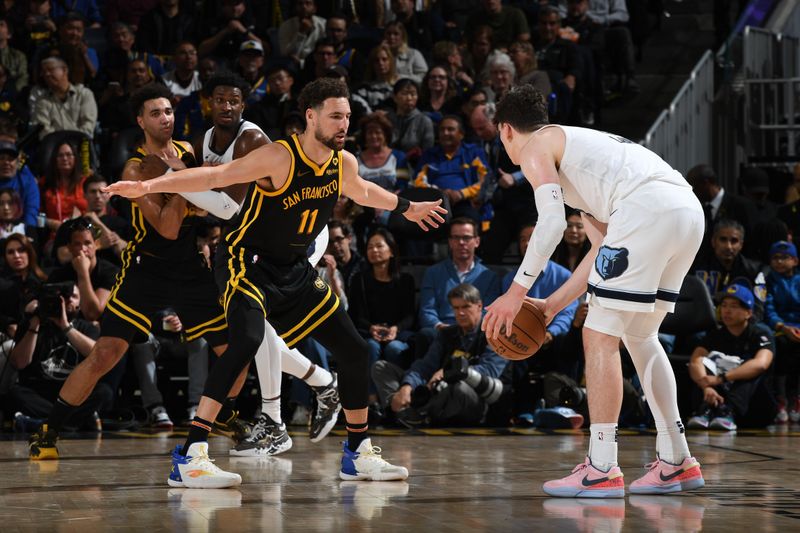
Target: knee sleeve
(246,331)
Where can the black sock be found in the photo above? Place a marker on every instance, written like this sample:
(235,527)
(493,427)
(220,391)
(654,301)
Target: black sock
(356,433)
(227,411)
(60,414)
(198,432)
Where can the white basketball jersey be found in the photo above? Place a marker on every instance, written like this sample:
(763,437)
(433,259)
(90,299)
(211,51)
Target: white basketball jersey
(599,169)
(227,156)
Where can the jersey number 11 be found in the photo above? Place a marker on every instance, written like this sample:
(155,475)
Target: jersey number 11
(309,220)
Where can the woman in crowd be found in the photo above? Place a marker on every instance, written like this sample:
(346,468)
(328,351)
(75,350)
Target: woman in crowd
(62,186)
(575,245)
(10,213)
(409,62)
(413,130)
(478,52)
(524,58)
(448,55)
(438,95)
(380,77)
(385,327)
(20,277)
(501,75)
(377,162)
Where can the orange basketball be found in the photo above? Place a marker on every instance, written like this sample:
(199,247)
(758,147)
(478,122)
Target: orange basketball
(526,336)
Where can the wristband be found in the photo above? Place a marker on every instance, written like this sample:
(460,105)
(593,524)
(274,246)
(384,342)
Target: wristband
(402,205)
(67,329)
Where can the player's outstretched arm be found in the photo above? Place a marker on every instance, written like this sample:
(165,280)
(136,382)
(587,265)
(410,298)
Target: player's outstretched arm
(268,160)
(366,193)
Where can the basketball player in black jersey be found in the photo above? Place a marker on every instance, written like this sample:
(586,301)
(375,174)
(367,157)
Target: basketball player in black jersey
(161,267)
(262,269)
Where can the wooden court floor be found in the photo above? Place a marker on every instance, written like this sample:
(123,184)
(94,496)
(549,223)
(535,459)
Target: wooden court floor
(470,482)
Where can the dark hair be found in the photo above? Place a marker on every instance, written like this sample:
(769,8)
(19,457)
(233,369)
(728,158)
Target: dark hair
(205,224)
(455,118)
(77,225)
(151,91)
(394,263)
(15,198)
(341,16)
(51,171)
(227,79)
(94,178)
(546,11)
(378,119)
(404,83)
(315,93)
(701,173)
(72,16)
(465,291)
(524,108)
(464,221)
(347,229)
(727,223)
(33,260)
(324,41)
(181,43)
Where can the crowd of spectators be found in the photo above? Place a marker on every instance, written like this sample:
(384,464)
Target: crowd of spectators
(424,78)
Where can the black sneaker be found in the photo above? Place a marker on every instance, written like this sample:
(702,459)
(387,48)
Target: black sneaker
(267,438)
(235,428)
(326,412)
(411,418)
(42,445)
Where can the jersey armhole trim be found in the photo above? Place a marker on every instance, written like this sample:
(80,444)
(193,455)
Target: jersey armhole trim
(289,178)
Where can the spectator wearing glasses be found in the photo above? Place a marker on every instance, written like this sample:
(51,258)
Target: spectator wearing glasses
(438,95)
(62,105)
(62,186)
(20,180)
(341,247)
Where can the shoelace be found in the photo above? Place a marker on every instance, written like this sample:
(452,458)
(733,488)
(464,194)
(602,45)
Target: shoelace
(653,465)
(579,467)
(328,396)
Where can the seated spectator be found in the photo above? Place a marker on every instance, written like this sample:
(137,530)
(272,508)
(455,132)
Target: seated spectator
(62,105)
(457,168)
(10,104)
(297,35)
(320,62)
(438,96)
(94,277)
(435,388)
(121,52)
(249,66)
(20,278)
(184,79)
(475,98)
(377,162)
(163,27)
(381,75)
(39,29)
(524,57)
(193,113)
(560,59)
(50,343)
(505,186)
(455,14)
(413,130)
(13,60)
(115,231)
(81,59)
(342,248)
(409,62)
(718,203)
(19,178)
(88,10)
(730,363)
(62,186)
(280,100)
(501,75)
(385,327)
(226,28)
(767,228)
(346,56)
(463,266)
(479,47)
(782,314)
(508,23)
(127,12)
(725,264)
(574,246)
(10,213)
(448,55)
(114,106)
(419,24)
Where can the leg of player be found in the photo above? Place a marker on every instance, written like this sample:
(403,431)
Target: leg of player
(228,421)
(325,387)
(598,476)
(674,469)
(79,385)
(360,460)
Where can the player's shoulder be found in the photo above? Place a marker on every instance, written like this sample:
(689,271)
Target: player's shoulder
(186,145)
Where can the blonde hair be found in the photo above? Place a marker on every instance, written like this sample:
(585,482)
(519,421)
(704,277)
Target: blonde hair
(373,55)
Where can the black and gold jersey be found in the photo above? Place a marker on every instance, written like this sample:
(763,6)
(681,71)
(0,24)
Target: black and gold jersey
(148,241)
(281,225)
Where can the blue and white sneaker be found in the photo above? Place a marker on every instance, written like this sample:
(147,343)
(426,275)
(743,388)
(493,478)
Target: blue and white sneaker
(366,464)
(196,470)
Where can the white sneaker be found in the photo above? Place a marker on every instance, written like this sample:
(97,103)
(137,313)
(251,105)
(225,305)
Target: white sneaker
(366,464)
(159,418)
(196,470)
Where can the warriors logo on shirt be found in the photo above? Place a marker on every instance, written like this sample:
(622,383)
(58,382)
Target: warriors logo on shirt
(611,262)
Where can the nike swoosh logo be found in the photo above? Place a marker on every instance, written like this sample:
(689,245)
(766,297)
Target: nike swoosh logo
(590,482)
(301,174)
(671,476)
(526,274)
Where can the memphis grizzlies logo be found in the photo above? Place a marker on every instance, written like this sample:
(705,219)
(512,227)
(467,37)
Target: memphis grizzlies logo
(611,262)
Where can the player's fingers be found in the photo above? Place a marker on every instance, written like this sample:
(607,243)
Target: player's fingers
(441,209)
(509,325)
(422,225)
(437,216)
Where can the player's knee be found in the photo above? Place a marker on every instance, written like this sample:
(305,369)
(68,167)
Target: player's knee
(102,359)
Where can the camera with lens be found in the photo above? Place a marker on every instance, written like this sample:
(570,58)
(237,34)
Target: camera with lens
(49,296)
(488,388)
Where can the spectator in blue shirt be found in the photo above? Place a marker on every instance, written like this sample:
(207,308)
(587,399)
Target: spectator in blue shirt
(19,179)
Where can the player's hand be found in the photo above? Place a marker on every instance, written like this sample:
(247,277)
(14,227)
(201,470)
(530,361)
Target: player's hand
(544,307)
(426,214)
(792,333)
(127,189)
(501,314)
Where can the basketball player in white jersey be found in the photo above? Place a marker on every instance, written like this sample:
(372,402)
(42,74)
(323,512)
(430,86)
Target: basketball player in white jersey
(231,138)
(645,226)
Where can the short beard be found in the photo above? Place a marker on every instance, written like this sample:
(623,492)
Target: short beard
(329,142)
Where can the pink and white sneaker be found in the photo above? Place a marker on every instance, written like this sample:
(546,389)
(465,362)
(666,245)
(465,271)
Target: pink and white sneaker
(586,481)
(664,478)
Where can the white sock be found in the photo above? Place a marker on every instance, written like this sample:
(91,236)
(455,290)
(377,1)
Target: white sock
(272,408)
(319,378)
(671,444)
(658,382)
(603,446)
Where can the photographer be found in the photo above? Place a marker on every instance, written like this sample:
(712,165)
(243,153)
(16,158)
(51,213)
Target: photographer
(458,377)
(50,342)
(94,277)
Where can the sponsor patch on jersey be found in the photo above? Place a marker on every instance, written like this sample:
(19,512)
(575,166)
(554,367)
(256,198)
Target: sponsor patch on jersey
(611,262)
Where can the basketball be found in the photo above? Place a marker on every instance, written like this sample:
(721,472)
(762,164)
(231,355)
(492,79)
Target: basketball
(527,335)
